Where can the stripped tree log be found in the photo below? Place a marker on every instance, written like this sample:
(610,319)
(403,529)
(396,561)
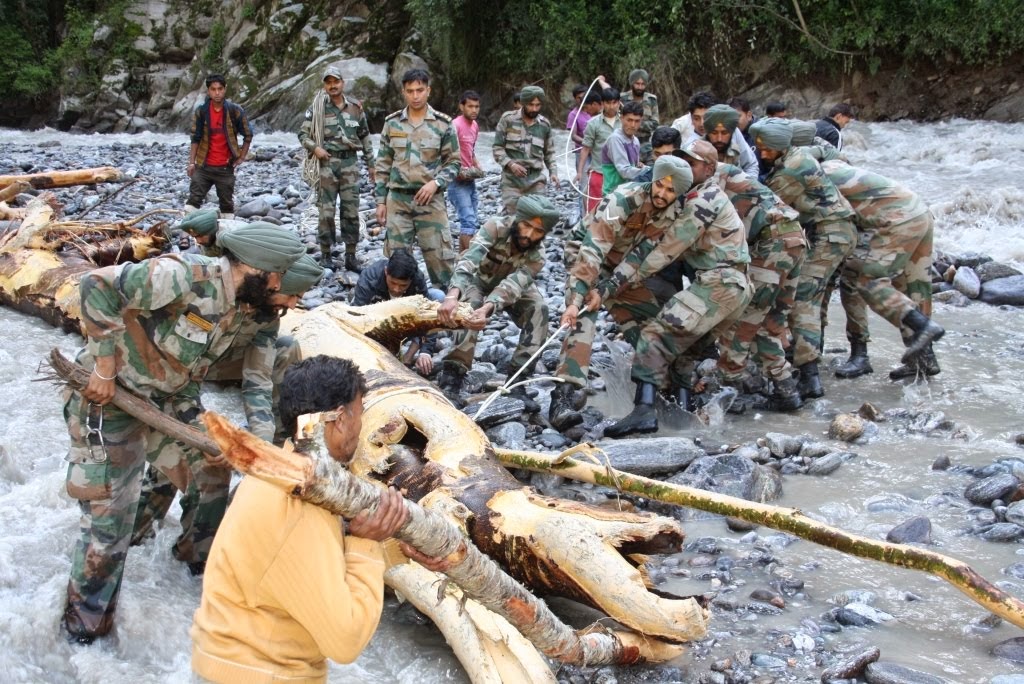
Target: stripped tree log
(13,190)
(63,179)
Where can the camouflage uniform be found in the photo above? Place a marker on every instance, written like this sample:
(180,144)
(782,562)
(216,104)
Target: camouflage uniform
(647,126)
(620,222)
(800,182)
(711,239)
(345,132)
(493,270)
(183,317)
(532,147)
(410,157)
(777,245)
(890,268)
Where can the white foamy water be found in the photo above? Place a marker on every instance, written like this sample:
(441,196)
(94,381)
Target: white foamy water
(972,175)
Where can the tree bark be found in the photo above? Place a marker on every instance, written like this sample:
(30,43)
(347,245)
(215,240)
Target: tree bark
(62,179)
(13,190)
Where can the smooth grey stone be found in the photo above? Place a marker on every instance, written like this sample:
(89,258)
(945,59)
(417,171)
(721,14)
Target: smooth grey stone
(509,434)
(952,298)
(967,282)
(1011,649)
(1003,532)
(256,207)
(1007,679)
(782,445)
(553,440)
(651,455)
(826,464)
(1004,291)
(891,673)
(815,449)
(502,410)
(851,618)
(914,531)
(733,475)
(971,259)
(994,270)
(853,667)
(1015,513)
(987,490)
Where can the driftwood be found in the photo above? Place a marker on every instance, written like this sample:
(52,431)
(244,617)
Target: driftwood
(13,190)
(63,179)
(956,572)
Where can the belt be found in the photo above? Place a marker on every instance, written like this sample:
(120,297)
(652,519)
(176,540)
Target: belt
(223,166)
(343,154)
(742,268)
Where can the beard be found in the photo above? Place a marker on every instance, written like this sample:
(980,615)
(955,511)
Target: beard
(722,148)
(255,290)
(522,244)
(638,92)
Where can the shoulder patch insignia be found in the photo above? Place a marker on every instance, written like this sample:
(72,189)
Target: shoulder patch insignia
(393,115)
(198,321)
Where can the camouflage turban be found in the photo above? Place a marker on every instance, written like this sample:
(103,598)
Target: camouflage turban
(531,207)
(803,132)
(721,114)
(263,246)
(774,133)
(637,74)
(202,222)
(677,170)
(302,275)
(527,94)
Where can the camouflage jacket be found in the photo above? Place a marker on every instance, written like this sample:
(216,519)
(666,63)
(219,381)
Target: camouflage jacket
(255,346)
(493,262)
(650,120)
(755,203)
(345,130)
(707,234)
(824,151)
(532,146)
(878,201)
(165,320)
(620,221)
(412,156)
(797,178)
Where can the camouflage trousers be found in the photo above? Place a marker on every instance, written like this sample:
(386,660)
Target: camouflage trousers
(853,305)
(832,243)
(763,326)
(529,313)
(513,187)
(105,478)
(339,182)
(427,225)
(671,342)
(629,310)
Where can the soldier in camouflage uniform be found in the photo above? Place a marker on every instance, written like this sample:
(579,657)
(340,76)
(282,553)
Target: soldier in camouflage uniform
(712,240)
(495,273)
(155,328)
(335,131)
(258,356)
(797,178)
(721,129)
(419,158)
(777,245)
(890,268)
(632,212)
(523,145)
(638,80)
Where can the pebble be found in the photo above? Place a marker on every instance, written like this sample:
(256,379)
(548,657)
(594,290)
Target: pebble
(826,465)
(846,427)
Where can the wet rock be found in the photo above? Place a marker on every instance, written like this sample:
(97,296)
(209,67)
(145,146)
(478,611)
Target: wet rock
(782,445)
(502,410)
(851,618)
(552,439)
(967,282)
(846,427)
(826,465)
(914,531)
(869,411)
(941,463)
(987,490)
(952,298)
(733,475)
(652,455)
(994,270)
(1015,513)
(852,667)
(815,449)
(891,673)
(971,260)
(252,208)
(1007,679)
(738,525)
(1003,532)
(1011,649)
(1004,291)
(510,435)
(1016,570)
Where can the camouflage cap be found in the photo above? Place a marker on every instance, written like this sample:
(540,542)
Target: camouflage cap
(637,74)
(333,70)
(702,151)
(773,133)
(263,246)
(302,275)
(202,222)
(721,114)
(532,207)
(803,132)
(676,170)
(530,92)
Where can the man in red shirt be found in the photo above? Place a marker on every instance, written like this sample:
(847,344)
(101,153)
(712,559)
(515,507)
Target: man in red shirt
(214,154)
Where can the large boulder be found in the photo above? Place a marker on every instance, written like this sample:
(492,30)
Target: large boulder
(731,474)
(1004,291)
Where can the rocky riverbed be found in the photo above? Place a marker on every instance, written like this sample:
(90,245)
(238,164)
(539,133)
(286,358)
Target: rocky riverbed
(938,463)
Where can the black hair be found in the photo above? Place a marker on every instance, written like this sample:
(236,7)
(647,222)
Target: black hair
(633,107)
(701,100)
(841,108)
(665,135)
(740,104)
(469,95)
(774,107)
(215,78)
(319,383)
(402,265)
(610,95)
(517,97)
(592,98)
(414,75)
(578,90)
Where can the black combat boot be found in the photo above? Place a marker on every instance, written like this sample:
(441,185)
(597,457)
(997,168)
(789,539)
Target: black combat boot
(785,396)
(520,392)
(450,381)
(684,398)
(563,412)
(351,262)
(925,364)
(809,385)
(925,330)
(858,364)
(643,417)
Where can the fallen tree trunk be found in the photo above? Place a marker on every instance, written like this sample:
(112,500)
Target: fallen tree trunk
(13,190)
(956,572)
(63,179)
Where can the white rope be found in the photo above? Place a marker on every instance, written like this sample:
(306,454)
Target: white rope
(311,165)
(509,383)
(572,176)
